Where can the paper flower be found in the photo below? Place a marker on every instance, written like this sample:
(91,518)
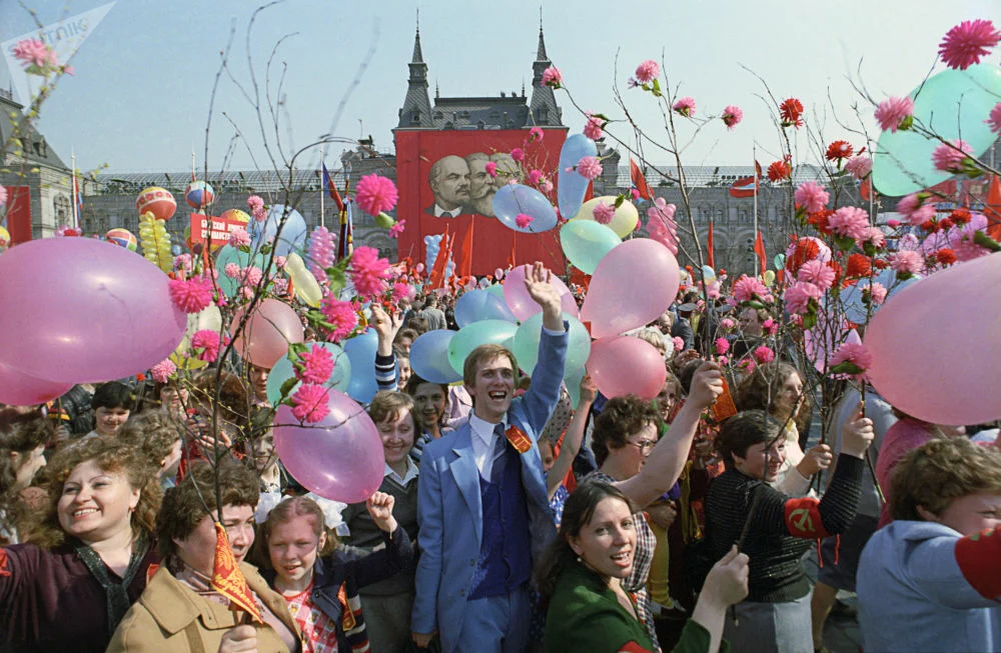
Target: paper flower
(966,43)
(34,52)
(811,196)
(893,111)
(317,365)
(850,222)
(877,293)
(163,370)
(589,167)
(915,209)
(779,170)
(341,316)
(907,261)
(191,296)
(763,354)
(603,213)
(679,343)
(376,194)
(368,272)
(647,71)
(732,115)
(206,342)
(310,403)
(535,134)
(798,296)
(518,154)
(491,168)
(851,359)
(745,288)
(552,77)
(816,272)
(685,106)
(859,166)
(3,194)
(239,238)
(397,229)
(523,220)
(838,151)
(945,256)
(722,346)
(322,249)
(534,177)
(593,127)
(950,159)
(791,111)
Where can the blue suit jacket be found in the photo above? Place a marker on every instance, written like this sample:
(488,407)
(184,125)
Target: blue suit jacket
(449,510)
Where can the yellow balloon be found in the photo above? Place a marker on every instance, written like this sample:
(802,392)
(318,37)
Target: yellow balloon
(769,277)
(306,287)
(623,222)
(4,239)
(209,319)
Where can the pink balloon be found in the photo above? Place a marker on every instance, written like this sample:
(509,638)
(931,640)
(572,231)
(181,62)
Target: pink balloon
(633,284)
(78,310)
(339,457)
(521,303)
(935,348)
(270,330)
(817,342)
(622,365)
(19,389)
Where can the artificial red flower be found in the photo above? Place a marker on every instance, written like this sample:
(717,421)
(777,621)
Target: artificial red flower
(839,150)
(819,220)
(945,256)
(960,216)
(858,266)
(945,223)
(778,171)
(880,264)
(791,111)
(837,272)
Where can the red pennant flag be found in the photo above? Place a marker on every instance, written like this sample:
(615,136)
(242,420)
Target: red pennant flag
(865,190)
(328,182)
(711,260)
(757,169)
(228,580)
(464,266)
(992,209)
(437,277)
(759,249)
(512,259)
(639,180)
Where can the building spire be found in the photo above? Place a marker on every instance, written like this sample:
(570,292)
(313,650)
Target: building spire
(418,55)
(543,105)
(541,54)
(416,110)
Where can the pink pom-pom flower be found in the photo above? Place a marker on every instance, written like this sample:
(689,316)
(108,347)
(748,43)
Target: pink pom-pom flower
(368,272)
(732,115)
(589,167)
(376,194)
(317,365)
(309,403)
(965,44)
(191,296)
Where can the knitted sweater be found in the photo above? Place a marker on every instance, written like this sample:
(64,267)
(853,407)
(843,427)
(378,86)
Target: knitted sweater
(782,529)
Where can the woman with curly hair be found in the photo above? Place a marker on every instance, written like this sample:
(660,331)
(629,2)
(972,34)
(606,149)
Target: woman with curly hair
(88,554)
(23,438)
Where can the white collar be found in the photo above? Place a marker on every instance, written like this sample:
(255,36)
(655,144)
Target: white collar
(440,212)
(410,475)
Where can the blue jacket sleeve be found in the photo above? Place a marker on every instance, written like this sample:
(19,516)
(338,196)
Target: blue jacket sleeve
(544,393)
(430,539)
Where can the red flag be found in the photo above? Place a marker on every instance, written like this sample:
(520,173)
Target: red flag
(743,187)
(512,259)
(464,266)
(328,182)
(228,580)
(759,249)
(865,190)
(757,169)
(992,209)
(639,181)
(709,245)
(437,277)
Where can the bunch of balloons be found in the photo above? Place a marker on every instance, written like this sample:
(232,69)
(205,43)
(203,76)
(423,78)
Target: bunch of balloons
(155,242)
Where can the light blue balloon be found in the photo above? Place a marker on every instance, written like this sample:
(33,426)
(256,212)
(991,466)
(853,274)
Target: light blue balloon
(429,357)
(497,332)
(476,305)
(851,297)
(585,243)
(952,104)
(175,250)
(572,378)
(780,261)
(284,370)
(573,186)
(361,352)
(513,199)
(525,345)
(497,290)
(293,235)
(228,255)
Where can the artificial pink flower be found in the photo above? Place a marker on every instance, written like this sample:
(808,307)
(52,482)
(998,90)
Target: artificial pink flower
(535,134)
(534,177)
(183,262)
(239,238)
(816,272)
(523,220)
(679,343)
(647,71)
(491,168)
(763,355)
(546,186)
(993,121)
(340,315)
(722,346)
(603,213)
(310,403)
(769,327)
(732,115)
(191,296)
(635,194)
(713,290)
(368,272)
(812,196)
(893,111)
(232,270)
(859,166)
(518,154)
(685,106)
(256,206)
(280,262)
(280,285)
(727,324)
(593,127)
(34,52)
(798,297)
(892,224)
(589,167)
(849,221)
(875,236)
(950,159)
(915,209)
(552,77)
(963,239)
(400,292)
(252,275)
(208,342)
(376,194)
(877,293)
(317,365)
(322,249)
(854,353)
(162,370)
(838,151)
(966,43)
(397,229)
(907,261)
(746,288)
(3,194)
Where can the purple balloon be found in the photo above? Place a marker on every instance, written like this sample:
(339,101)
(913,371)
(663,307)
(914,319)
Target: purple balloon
(521,303)
(19,389)
(78,310)
(339,457)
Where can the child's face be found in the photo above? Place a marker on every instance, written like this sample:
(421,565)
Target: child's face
(293,547)
(548,460)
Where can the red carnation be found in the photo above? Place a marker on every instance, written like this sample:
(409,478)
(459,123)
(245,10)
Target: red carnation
(778,171)
(880,264)
(858,266)
(945,256)
(837,272)
(819,220)
(792,113)
(839,150)
(960,216)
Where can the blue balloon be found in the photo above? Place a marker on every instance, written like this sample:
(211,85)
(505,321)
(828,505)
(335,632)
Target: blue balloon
(513,199)
(572,186)
(478,305)
(175,250)
(851,297)
(361,352)
(293,235)
(284,370)
(429,356)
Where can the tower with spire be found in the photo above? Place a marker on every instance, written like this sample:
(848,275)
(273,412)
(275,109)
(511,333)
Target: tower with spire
(545,111)
(416,111)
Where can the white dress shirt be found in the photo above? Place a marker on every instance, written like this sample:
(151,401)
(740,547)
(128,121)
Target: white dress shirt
(483,439)
(411,472)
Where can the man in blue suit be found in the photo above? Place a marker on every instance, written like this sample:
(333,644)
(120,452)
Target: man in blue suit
(482,507)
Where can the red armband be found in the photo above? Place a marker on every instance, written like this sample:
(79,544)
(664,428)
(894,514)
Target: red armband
(977,556)
(3,562)
(803,518)
(633,647)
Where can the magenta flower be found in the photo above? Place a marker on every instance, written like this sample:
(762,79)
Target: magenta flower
(727,324)
(722,346)
(877,293)
(647,71)
(907,261)
(993,121)
(232,270)
(206,342)
(849,221)
(589,167)
(603,213)
(3,194)
(763,354)
(375,194)
(950,159)
(534,177)
(966,43)
(685,106)
(368,272)
(732,115)
(191,296)
(811,196)
(256,206)
(859,167)
(162,370)
(593,127)
(552,77)
(546,186)
(535,134)
(310,403)
(745,288)
(397,229)
(518,154)
(33,52)
(491,168)
(679,343)
(915,209)
(341,316)
(855,355)
(816,272)
(317,365)
(798,297)
(523,220)
(400,292)
(893,111)
(239,238)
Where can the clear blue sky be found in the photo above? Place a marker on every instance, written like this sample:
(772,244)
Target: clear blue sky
(140,98)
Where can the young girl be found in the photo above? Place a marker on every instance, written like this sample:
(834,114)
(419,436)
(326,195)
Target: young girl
(322,590)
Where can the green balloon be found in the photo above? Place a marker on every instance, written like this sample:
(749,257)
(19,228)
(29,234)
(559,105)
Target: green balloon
(585,243)
(952,104)
(497,289)
(471,336)
(228,255)
(284,370)
(572,378)
(525,345)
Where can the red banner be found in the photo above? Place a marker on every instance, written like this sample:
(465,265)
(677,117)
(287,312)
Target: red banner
(220,229)
(19,214)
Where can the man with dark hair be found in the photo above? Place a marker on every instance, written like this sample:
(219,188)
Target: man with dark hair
(434,315)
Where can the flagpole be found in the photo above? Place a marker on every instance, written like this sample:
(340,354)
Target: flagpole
(754,154)
(323,191)
(73,189)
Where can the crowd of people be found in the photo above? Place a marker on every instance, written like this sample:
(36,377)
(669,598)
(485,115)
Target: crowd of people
(511,516)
